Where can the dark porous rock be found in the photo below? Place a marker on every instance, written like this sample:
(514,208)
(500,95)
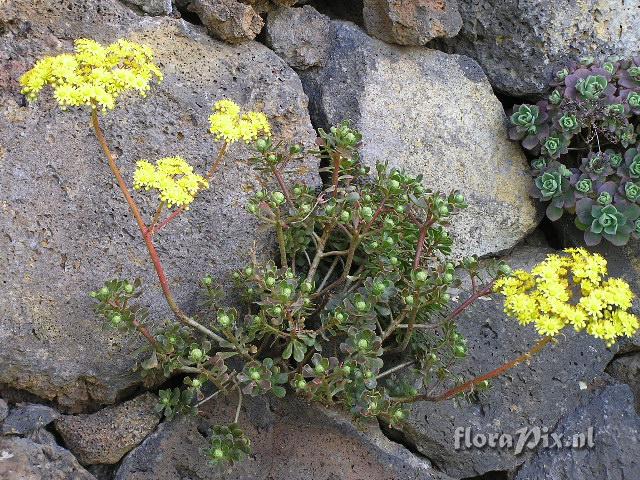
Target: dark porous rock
(26,419)
(614,453)
(290,439)
(301,36)
(4,409)
(534,394)
(153,7)
(228,20)
(22,459)
(107,435)
(626,369)
(520,44)
(411,23)
(65,226)
(433,114)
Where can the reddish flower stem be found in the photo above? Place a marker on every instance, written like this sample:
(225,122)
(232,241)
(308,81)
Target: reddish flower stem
(336,172)
(464,305)
(479,379)
(283,186)
(144,230)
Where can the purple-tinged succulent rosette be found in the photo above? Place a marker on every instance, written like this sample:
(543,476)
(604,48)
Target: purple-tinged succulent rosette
(631,166)
(554,186)
(529,124)
(628,192)
(589,85)
(597,166)
(583,185)
(599,219)
(582,142)
(630,74)
(631,101)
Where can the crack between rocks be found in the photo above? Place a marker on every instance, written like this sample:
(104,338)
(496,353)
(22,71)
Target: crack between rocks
(399,438)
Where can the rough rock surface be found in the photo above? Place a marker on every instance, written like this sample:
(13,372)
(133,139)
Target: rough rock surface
(290,440)
(411,23)
(228,20)
(25,419)
(615,454)
(535,394)
(299,36)
(4,409)
(107,435)
(433,114)
(521,43)
(22,459)
(626,369)
(53,252)
(153,7)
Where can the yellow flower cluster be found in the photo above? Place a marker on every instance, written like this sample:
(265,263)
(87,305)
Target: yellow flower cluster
(174,179)
(228,123)
(94,75)
(545,297)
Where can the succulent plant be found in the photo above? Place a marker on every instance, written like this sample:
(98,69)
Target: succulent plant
(590,127)
(529,124)
(588,84)
(600,220)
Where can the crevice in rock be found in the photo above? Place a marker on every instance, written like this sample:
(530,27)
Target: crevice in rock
(104,472)
(14,395)
(182,8)
(56,435)
(625,374)
(340,9)
(495,475)
(397,436)
(551,235)
(507,101)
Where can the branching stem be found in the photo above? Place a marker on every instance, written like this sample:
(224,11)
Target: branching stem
(146,234)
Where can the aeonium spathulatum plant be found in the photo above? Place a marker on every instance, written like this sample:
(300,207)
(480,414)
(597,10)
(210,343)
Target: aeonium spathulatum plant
(363,265)
(583,138)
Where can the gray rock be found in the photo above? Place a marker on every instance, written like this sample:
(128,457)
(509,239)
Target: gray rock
(25,419)
(299,35)
(432,114)
(615,454)
(535,394)
(626,369)
(107,435)
(154,7)
(228,20)
(411,23)
(22,459)
(290,439)
(4,409)
(54,252)
(520,44)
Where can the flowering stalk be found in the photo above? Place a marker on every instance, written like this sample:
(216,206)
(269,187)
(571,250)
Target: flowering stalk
(146,234)
(467,386)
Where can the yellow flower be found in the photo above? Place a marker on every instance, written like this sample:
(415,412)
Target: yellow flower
(94,75)
(229,124)
(545,297)
(549,326)
(172,177)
